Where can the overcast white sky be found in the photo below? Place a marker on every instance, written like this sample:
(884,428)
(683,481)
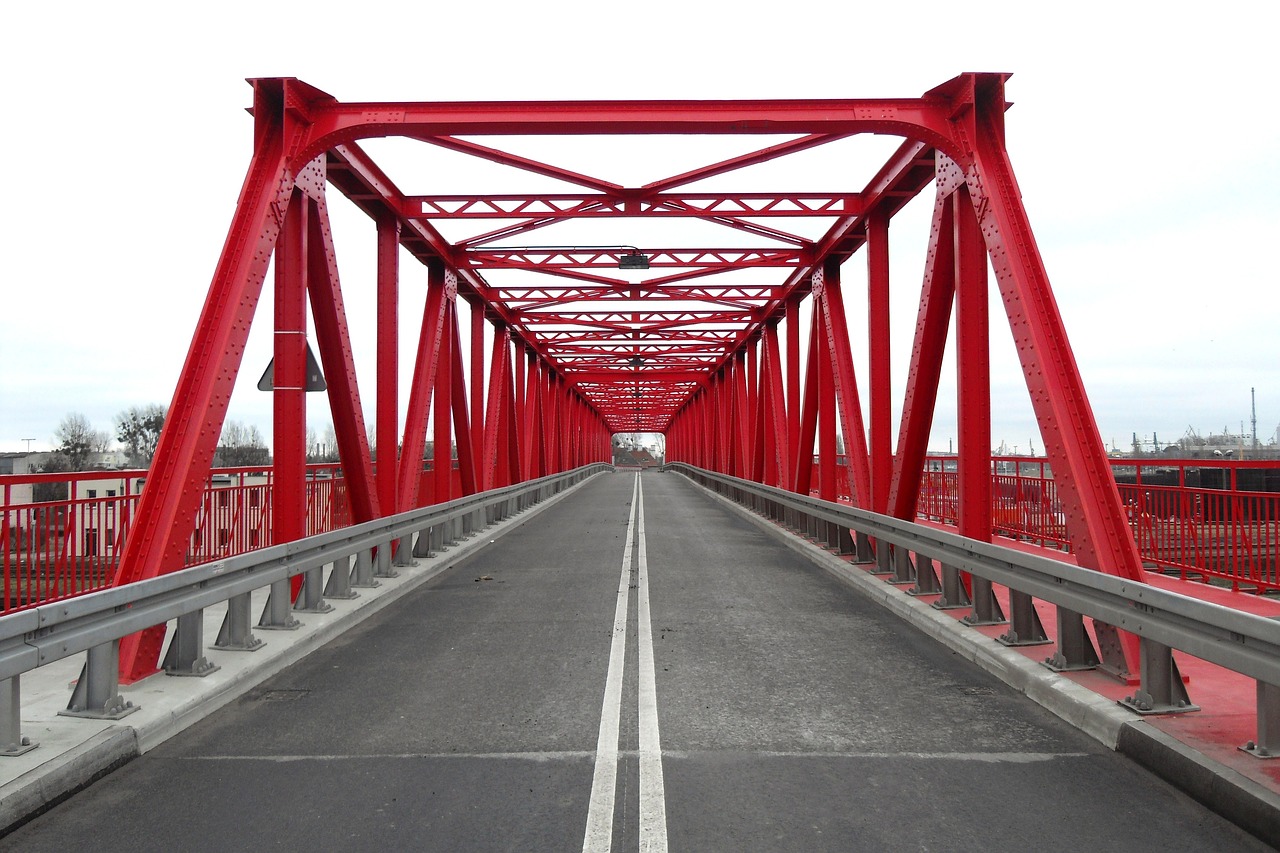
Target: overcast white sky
(1144,139)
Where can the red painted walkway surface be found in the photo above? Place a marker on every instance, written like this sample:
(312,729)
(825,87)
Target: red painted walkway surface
(1227,700)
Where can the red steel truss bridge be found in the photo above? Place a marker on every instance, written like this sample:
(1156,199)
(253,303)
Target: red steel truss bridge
(699,335)
(568,301)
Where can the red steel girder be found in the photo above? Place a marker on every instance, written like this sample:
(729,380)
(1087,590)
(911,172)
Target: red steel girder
(632,203)
(555,258)
(332,123)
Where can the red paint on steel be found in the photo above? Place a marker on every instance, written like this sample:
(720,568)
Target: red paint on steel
(687,350)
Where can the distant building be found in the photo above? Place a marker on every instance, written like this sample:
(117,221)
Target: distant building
(20,463)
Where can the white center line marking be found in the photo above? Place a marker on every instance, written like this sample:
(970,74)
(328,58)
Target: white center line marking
(653,807)
(604,782)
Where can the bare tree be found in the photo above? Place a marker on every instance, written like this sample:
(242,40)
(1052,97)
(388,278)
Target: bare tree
(241,445)
(330,444)
(138,429)
(78,441)
(322,448)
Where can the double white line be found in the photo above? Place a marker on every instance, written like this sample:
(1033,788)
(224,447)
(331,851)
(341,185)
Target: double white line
(653,810)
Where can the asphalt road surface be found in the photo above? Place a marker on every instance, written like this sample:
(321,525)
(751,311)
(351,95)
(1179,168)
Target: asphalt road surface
(624,675)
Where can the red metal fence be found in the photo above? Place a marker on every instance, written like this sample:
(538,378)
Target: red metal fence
(1207,520)
(62,534)
(1203,521)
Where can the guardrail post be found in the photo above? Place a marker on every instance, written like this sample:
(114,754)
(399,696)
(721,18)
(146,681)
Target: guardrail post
(1025,628)
(1268,743)
(364,570)
(1075,649)
(422,545)
(440,537)
(986,610)
(276,616)
(234,635)
(884,558)
(183,657)
(1161,690)
(862,553)
(311,595)
(926,578)
(97,694)
(954,595)
(844,541)
(402,551)
(383,562)
(339,585)
(11,740)
(830,535)
(902,569)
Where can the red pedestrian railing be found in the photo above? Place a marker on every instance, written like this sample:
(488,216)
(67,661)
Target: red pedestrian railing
(1207,520)
(1211,520)
(62,534)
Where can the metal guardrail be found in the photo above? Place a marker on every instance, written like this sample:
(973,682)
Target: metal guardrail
(1242,642)
(96,622)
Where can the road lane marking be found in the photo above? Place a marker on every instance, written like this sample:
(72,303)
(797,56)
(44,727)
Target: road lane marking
(653,806)
(604,781)
(570,755)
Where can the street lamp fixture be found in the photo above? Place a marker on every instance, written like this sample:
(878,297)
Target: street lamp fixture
(634,259)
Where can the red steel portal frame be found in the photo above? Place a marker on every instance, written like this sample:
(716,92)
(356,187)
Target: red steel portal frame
(580,353)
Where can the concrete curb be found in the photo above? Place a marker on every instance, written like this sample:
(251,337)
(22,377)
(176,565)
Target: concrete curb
(39,789)
(92,749)
(1237,798)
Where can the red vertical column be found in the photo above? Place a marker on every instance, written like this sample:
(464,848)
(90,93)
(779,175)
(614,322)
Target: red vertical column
(534,441)
(881,408)
(492,416)
(974,374)
(467,482)
(477,378)
(553,423)
(289,415)
(793,383)
(442,461)
(973,361)
(750,426)
(388,360)
(777,431)
(802,459)
(520,462)
(826,423)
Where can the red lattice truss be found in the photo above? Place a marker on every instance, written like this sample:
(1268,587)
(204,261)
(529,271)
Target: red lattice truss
(581,349)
